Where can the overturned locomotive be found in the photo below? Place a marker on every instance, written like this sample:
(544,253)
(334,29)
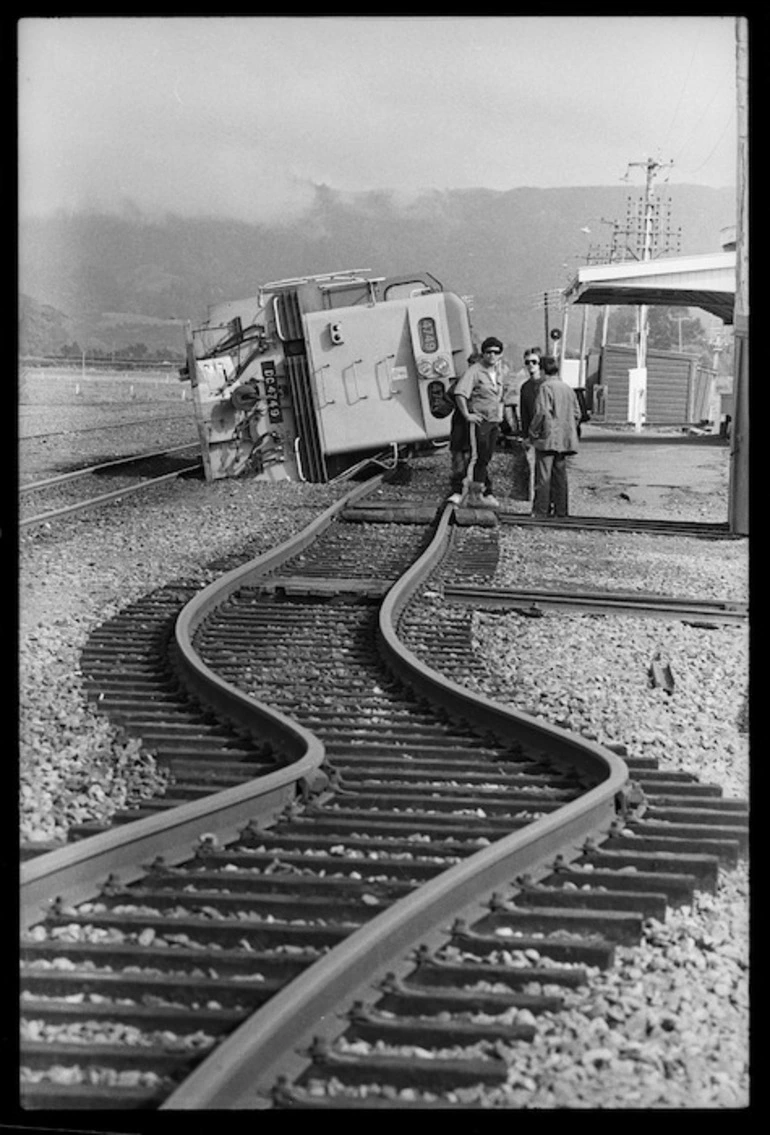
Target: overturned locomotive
(316,376)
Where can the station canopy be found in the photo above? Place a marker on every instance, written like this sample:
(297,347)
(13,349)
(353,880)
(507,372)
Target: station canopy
(707,282)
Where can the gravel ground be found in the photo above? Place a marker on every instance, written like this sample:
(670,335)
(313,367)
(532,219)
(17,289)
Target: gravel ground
(669,1026)
(76,574)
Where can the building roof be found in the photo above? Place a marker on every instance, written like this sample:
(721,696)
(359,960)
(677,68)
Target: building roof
(682,281)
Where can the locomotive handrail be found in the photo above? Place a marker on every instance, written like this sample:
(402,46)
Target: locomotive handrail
(277,318)
(412,278)
(298,460)
(392,392)
(359,396)
(321,387)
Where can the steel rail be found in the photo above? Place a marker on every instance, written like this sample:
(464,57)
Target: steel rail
(730,611)
(77,871)
(84,472)
(713,531)
(241,1070)
(128,491)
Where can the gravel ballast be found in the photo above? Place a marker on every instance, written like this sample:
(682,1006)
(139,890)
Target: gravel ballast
(668,1026)
(77,573)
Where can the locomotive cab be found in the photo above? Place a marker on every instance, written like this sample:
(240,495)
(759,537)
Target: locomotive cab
(316,374)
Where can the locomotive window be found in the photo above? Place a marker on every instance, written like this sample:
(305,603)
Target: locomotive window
(441,405)
(428,337)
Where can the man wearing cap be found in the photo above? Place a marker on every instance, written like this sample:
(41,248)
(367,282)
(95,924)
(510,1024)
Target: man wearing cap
(480,395)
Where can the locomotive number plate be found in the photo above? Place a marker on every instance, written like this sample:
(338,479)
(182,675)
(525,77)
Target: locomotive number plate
(274,412)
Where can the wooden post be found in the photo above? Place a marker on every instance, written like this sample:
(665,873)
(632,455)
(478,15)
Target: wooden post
(583,338)
(738,505)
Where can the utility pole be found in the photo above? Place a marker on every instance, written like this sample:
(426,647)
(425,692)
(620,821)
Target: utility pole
(738,504)
(545,311)
(651,167)
(637,378)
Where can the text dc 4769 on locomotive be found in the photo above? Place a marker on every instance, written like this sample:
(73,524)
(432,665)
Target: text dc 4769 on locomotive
(316,374)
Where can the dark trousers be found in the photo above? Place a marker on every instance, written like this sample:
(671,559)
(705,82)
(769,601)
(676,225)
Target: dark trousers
(551,486)
(483,442)
(461,453)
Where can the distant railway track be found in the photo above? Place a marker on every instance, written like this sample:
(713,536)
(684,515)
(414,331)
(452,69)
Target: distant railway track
(282,929)
(105,406)
(59,489)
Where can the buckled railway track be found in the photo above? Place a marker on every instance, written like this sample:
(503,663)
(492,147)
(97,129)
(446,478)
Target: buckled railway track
(363,879)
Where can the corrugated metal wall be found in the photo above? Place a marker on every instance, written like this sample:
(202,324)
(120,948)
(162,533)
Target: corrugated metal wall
(670,379)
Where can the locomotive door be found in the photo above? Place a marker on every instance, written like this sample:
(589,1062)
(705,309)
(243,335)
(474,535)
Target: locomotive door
(363,376)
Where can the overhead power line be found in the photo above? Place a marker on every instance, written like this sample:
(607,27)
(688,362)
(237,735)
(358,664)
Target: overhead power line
(684,87)
(716,144)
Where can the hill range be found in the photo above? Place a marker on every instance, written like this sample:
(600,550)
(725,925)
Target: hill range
(112,280)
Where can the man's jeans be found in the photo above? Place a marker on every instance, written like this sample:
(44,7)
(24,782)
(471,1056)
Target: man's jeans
(551,486)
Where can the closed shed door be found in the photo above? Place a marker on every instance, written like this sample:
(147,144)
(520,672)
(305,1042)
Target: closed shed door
(668,385)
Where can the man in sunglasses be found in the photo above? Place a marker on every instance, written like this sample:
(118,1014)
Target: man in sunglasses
(529,381)
(480,394)
(530,387)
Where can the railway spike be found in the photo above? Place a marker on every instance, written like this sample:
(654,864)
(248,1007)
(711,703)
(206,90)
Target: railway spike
(314,784)
(280,1090)
(633,800)
(207,841)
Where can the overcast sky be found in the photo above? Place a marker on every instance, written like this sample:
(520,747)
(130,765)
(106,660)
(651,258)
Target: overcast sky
(241,116)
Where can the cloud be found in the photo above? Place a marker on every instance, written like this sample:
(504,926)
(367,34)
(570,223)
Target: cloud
(242,116)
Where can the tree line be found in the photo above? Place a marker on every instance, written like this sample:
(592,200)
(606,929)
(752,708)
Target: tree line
(139,352)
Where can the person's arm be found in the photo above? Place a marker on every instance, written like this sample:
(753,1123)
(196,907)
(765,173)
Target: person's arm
(537,423)
(462,406)
(510,397)
(525,408)
(463,392)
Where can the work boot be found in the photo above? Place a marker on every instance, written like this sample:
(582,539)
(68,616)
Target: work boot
(488,501)
(474,498)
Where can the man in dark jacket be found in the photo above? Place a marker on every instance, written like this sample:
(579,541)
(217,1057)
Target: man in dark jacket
(553,431)
(523,464)
(529,388)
